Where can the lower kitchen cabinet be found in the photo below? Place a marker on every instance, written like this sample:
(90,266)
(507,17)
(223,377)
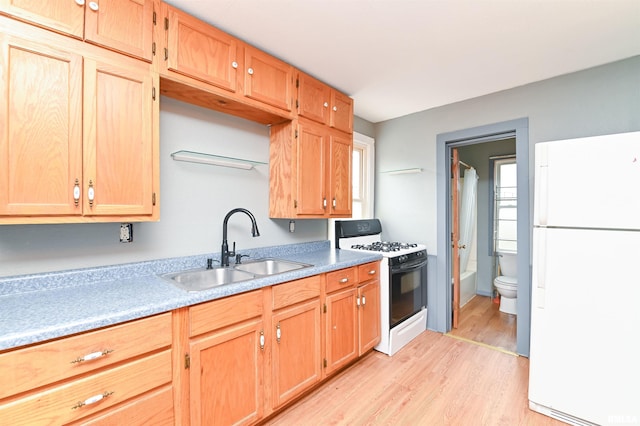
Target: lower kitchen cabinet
(105,374)
(225,361)
(341,319)
(352,324)
(368,316)
(226,375)
(341,329)
(230,361)
(296,364)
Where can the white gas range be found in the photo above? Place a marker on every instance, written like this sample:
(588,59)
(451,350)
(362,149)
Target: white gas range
(403,281)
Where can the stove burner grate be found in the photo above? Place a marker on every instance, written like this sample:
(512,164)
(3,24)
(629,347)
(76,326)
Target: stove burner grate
(384,246)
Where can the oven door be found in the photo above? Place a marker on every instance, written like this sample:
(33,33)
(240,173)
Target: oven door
(408,290)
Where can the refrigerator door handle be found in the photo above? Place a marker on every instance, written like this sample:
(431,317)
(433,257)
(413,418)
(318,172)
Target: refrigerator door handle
(540,260)
(541,185)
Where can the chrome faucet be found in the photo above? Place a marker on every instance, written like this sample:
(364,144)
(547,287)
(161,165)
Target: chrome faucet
(225,253)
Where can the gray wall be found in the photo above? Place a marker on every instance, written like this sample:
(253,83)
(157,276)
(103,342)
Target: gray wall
(194,199)
(600,100)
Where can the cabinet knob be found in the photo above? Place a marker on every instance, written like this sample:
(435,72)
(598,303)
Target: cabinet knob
(344,280)
(335,108)
(250,71)
(278,333)
(93,6)
(80,2)
(326,104)
(234,64)
(364,301)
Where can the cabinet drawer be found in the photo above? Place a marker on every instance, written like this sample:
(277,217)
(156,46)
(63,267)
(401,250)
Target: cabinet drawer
(88,395)
(222,312)
(344,278)
(154,408)
(368,271)
(295,291)
(39,365)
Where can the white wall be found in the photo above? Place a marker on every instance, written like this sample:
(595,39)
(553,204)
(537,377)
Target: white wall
(194,199)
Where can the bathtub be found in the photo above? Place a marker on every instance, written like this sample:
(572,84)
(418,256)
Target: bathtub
(467,286)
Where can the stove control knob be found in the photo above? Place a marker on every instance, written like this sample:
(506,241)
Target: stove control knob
(403,258)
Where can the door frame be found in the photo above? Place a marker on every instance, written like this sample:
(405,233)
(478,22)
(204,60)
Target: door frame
(445,142)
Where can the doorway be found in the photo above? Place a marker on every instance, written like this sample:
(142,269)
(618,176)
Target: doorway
(446,142)
(486,221)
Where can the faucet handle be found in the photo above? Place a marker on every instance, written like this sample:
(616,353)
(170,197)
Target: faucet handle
(239,258)
(210,262)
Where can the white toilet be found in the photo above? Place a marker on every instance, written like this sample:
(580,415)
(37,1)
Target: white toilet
(507,283)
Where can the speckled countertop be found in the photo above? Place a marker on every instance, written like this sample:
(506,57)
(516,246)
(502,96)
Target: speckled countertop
(35,308)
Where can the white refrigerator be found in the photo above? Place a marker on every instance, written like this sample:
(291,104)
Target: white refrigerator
(585,296)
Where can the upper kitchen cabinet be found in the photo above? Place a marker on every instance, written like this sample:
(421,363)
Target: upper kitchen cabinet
(323,104)
(205,66)
(310,171)
(122,25)
(78,138)
(198,50)
(341,112)
(268,79)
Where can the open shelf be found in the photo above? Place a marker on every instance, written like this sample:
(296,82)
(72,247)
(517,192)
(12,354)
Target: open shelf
(215,160)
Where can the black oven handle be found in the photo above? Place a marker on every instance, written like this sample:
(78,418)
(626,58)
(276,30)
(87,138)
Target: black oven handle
(409,266)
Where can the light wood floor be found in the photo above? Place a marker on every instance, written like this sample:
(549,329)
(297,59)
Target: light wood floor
(434,380)
(482,321)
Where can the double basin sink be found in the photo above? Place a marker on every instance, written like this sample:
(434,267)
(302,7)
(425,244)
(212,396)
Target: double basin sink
(204,279)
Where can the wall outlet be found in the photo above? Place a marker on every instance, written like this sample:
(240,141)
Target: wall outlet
(126,232)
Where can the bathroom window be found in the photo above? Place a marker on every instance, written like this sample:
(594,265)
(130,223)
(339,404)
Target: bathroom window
(505,204)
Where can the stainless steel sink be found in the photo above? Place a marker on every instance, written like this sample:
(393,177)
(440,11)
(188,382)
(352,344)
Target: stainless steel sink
(203,279)
(270,266)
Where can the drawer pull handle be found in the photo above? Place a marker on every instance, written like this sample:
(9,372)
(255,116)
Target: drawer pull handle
(92,356)
(92,400)
(344,280)
(372,272)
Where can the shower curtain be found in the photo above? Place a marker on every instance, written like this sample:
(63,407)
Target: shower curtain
(467,215)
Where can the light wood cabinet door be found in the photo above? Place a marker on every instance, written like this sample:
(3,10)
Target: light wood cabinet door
(267,79)
(341,329)
(65,16)
(339,174)
(341,112)
(295,350)
(313,99)
(40,129)
(118,138)
(311,165)
(226,376)
(198,50)
(122,25)
(368,316)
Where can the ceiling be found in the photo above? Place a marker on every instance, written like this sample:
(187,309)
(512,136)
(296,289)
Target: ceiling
(397,57)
